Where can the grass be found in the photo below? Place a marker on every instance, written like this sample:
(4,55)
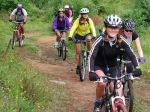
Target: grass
(23,89)
(32,48)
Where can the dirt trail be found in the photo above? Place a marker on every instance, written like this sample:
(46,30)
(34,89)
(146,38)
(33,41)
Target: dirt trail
(47,61)
(63,72)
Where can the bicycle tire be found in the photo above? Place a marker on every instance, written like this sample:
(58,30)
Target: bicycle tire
(21,40)
(82,66)
(121,108)
(59,49)
(104,108)
(129,95)
(64,50)
(14,39)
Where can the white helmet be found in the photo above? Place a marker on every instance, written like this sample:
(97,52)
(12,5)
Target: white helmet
(113,21)
(61,10)
(84,11)
(66,6)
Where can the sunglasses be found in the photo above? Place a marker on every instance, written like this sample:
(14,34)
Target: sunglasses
(84,13)
(128,30)
(113,27)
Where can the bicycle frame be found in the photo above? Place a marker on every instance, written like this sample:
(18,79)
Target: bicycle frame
(62,52)
(114,94)
(18,30)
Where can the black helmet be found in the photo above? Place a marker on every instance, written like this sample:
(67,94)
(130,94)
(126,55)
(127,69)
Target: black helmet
(128,24)
(113,21)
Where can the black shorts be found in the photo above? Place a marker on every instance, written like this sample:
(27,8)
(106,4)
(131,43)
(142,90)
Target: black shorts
(79,38)
(112,72)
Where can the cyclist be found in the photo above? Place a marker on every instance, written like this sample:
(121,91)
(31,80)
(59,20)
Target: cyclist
(83,27)
(60,22)
(69,12)
(130,35)
(104,53)
(20,15)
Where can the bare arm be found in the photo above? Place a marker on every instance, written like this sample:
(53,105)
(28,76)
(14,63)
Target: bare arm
(138,46)
(12,14)
(25,14)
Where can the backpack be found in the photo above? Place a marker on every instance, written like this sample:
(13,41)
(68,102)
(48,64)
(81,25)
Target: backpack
(19,16)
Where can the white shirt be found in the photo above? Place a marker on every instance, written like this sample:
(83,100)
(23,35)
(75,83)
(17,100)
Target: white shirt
(23,11)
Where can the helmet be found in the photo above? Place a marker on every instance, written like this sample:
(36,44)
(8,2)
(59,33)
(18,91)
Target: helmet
(113,21)
(84,11)
(61,10)
(66,6)
(128,24)
(19,6)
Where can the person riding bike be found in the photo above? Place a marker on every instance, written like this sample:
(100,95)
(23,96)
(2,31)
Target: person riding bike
(83,27)
(103,56)
(61,22)
(20,15)
(69,13)
(130,35)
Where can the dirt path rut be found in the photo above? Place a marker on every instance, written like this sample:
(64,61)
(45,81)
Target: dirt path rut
(47,61)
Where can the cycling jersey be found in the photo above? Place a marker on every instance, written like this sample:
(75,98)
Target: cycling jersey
(133,37)
(61,25)
(19,14)
(105,55)
(69,12)
(83,29)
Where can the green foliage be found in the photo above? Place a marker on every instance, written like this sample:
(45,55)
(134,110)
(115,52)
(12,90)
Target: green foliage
(21,88)
(7,4)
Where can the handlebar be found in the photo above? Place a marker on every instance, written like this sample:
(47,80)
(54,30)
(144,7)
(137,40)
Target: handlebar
(107,78)
(124,61)
(17,22)
(64,30)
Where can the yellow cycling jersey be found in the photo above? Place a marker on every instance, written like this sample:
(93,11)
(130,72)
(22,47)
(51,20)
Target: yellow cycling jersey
(83,29)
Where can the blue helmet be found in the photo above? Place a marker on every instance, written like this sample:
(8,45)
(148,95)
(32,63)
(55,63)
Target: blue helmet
(19,6)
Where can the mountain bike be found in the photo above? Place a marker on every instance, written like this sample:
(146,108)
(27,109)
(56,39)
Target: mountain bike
(83,58)
(128,86)
(17,34)
(111,102)
(62,50)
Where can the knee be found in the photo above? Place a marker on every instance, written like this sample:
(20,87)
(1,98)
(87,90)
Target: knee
(88,38)
(101,84)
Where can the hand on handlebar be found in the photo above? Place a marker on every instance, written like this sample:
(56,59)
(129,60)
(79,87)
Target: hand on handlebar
(141,59)
(24,22)
(137,72)
(93,38)
(70,39)
(10,20)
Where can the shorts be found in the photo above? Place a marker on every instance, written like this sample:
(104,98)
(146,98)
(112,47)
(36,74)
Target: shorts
(79,38)
(112,72)
(128,65)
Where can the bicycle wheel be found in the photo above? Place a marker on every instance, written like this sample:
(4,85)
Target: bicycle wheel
(106,107)
(64,51)
(82,65)
(128,93)
(59,49)
(120,108)
(14,39)
(21,40)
